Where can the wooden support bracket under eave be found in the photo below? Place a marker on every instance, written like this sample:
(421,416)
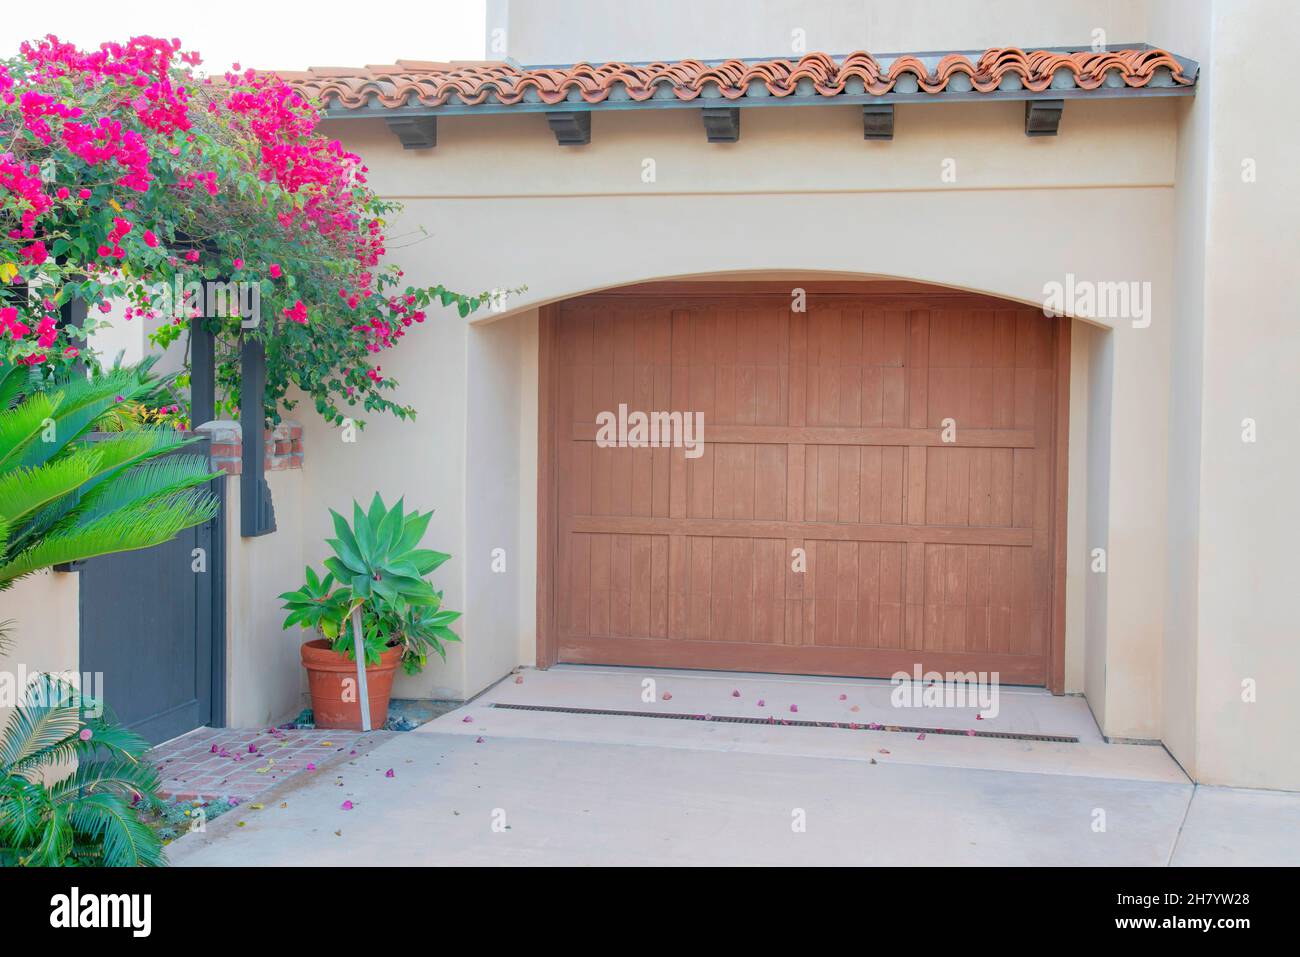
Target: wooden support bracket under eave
(721,123)
(878,121)
(415,132)
(1043,117)
(571,128)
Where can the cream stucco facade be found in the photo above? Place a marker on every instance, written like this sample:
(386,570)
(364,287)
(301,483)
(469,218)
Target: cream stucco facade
(1195,524)
(1193,599)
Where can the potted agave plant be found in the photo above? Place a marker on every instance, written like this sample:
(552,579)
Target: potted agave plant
(375,582)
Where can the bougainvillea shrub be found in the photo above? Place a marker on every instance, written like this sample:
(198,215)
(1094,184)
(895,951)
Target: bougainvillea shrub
(127,176)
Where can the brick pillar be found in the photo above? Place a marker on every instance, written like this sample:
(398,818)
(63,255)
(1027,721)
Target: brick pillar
(283,445)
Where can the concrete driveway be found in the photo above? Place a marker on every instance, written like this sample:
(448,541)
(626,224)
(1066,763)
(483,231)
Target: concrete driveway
(496,785)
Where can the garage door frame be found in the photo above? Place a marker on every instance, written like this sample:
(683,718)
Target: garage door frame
(887,294)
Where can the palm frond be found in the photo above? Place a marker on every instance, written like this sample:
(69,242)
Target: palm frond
(80,403)
(22,806)
(122,776)
(55,838)
(108,742)
(25,424)
(27,490)
(120,742)
(14,381)
(45,740)
(46,717)
(109,821)
(125,530)
(146,482)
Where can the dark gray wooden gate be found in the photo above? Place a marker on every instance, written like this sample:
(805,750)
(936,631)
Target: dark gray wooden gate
(155,628)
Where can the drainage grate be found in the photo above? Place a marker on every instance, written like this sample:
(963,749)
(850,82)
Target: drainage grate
(789,722)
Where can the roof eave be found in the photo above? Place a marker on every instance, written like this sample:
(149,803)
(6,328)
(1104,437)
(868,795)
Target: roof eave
(374,109)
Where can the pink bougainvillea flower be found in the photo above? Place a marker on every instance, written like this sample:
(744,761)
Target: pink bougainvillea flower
(297,313)
(478,740)
(86,734)
(921,736)
(131,115)
(467,719)
(252,749)
(346,805)
(72,352)
(311,766)
(389,773)
(844,697)
(212,750)
(794,708)
(667,696)
(735,692)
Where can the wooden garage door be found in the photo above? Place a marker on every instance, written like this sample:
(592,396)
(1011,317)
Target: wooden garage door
(824,448)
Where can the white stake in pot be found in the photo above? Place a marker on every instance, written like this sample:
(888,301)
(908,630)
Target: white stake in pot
(359,651)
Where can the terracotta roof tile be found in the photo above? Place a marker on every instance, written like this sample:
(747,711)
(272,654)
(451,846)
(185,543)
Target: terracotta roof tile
(467,83)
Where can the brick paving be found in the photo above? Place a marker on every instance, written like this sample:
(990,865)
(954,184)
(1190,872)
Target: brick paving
(240,764)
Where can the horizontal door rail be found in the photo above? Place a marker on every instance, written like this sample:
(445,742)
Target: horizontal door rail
(803,531)
(835,435)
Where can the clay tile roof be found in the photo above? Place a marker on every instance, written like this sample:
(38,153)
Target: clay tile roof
(813,77)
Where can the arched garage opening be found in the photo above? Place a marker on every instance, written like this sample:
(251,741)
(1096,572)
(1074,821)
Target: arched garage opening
(881,484)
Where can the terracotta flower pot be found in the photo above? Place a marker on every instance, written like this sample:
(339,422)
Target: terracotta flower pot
(328,674)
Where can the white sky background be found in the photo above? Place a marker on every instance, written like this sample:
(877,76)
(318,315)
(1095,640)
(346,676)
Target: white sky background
(270,34)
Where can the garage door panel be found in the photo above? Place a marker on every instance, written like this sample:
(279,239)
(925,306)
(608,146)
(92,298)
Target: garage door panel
(822,432)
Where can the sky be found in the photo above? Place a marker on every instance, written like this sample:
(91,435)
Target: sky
(269,34)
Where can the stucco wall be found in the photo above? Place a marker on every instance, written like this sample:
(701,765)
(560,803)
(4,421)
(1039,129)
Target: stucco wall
(1188,25)
(1237,356)
(423,460)
(264,679)
(44,609)
(504,207)
(567,31)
